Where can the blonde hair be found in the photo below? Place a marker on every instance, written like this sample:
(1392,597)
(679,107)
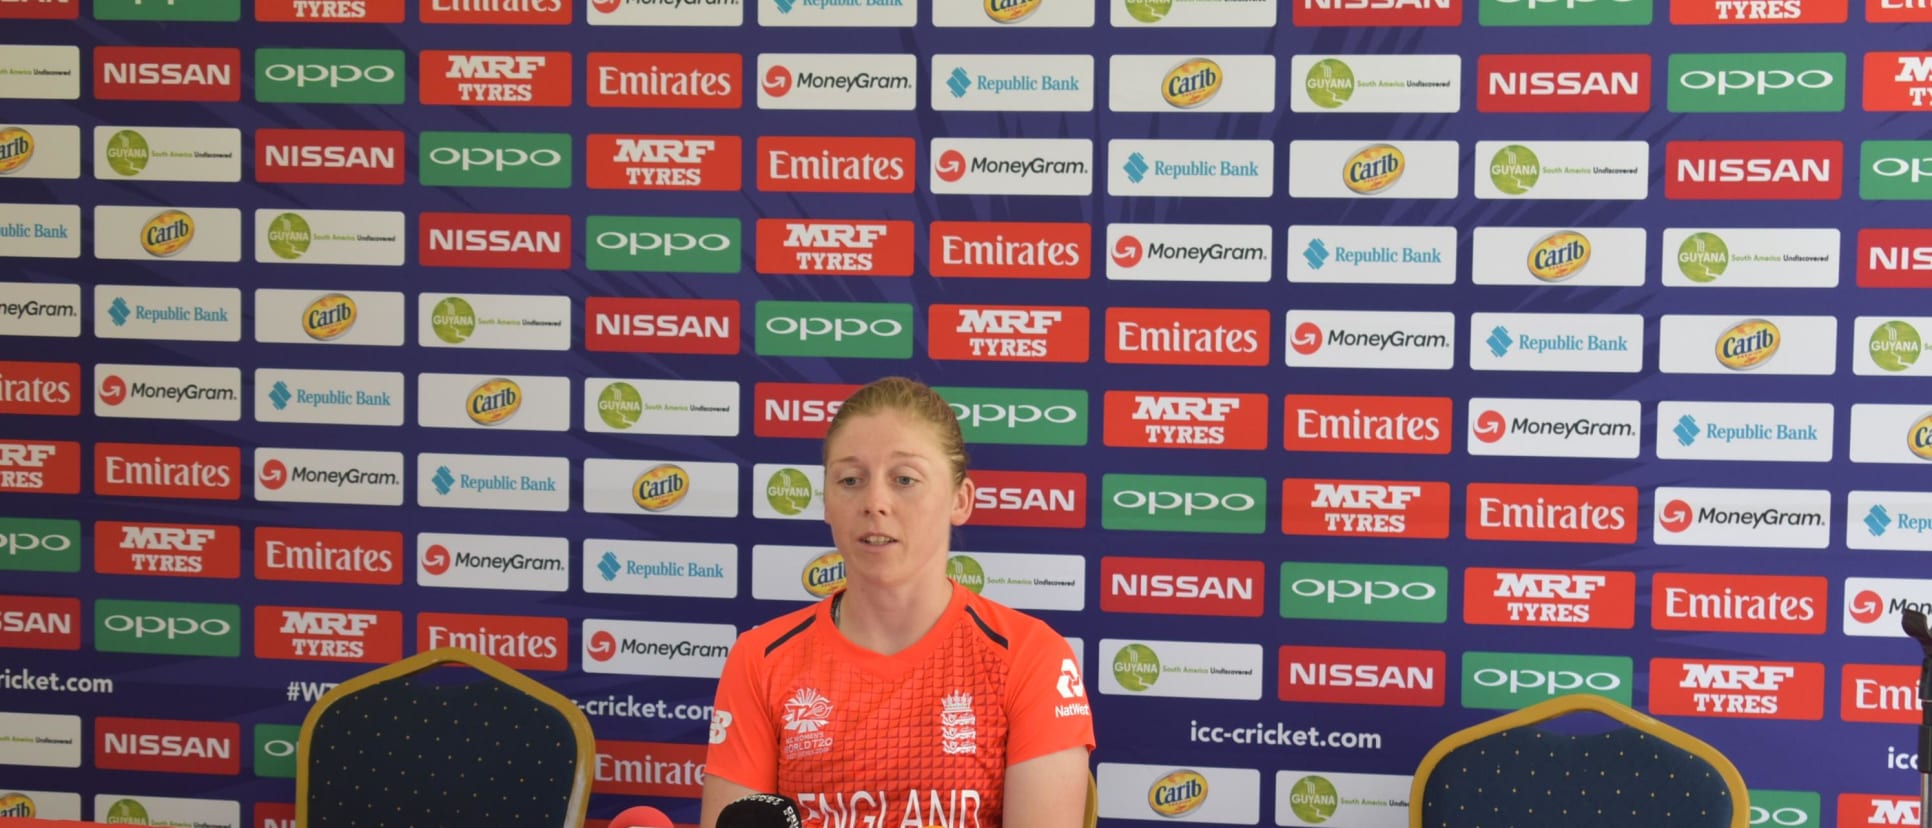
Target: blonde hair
(910,397)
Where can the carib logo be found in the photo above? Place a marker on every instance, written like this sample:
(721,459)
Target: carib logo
(16,149)
(1559,256)
(494,401)
(168,233)
(1748,344)
(1703,257)
(1373,169)
(824,575)
(329,317)
(1011,11)
(661,488)
(1178,793)
(1919,438)
(1192,83)
(1330,83)
(17,806)
(1514,169)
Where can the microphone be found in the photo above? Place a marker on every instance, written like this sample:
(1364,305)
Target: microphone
(758,811)
(641,816)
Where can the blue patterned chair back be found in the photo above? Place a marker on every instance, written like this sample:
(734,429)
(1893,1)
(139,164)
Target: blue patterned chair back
(1509,773)
(393,749)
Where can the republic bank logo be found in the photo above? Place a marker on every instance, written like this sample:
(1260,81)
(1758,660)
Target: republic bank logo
(118,311)
(443,480)
(958,82)
(1878,521)
(1316,253)
(1136,167)
(1499,341)
(1686,430)
(280,395)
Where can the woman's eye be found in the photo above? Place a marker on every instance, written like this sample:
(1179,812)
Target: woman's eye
(906,480)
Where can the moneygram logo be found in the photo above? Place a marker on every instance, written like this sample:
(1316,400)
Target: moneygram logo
(664,326)
(1171,252)
(1551,513)
(836,165)
(463,78)
(1353,339)
(1364,508)
(328,156)
(835,247)
(1010,250)
(1563,83)
(319,634)
(1147,419)
(1737,689)
(834,329)
(138,73)
(1353,675)
(1376,425)
(1549,598)
(665,80)
(1007,333)
(1786,518)
(1754,170)
(167,628)
(1361,592)
(1788,82)
(843,81)
(664,245)
(1162,503)
(664,162)
(1555,428)
(1172,586)
(1054,500)
(494,240)
(167,745)
(330,76)
(530,160)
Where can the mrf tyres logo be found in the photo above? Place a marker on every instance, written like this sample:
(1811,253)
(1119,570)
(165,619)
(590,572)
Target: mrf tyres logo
(1550,598)
(463,78)
(1008,333)
(1365,508)
(835,247)
(1737,689)
(1151,419)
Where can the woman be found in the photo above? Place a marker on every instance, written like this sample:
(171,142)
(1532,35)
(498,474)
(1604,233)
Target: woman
(903,699)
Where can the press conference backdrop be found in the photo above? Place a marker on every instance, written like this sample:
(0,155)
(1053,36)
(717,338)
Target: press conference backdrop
(1337,373)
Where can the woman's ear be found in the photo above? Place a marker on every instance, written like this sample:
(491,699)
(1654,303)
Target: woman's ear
(963,501)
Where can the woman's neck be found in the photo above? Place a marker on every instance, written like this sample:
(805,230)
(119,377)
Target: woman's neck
(888,619)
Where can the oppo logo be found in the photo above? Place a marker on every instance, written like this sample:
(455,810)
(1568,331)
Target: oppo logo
(663,244)
(335,74)
(1918,169)
(1781,816)
(1366,592)
(1013,416)
(470,158)
(279,748)
(1757,83)
(807,328)
(16,543)
(1156,502)
(1551,682)
(173,627)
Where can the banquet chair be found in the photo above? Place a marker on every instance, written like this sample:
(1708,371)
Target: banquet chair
(1509,773)
(399,747)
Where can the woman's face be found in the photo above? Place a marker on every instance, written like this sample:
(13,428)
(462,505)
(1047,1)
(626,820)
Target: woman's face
(890,499)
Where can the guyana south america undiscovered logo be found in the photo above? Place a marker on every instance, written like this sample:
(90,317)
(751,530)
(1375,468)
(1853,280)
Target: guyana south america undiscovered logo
(1136,668)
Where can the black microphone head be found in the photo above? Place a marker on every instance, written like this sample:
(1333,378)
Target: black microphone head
(1914,623)
(760,811)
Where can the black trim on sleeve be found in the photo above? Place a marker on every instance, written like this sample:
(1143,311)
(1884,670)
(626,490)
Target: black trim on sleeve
(788,636)
(997,638)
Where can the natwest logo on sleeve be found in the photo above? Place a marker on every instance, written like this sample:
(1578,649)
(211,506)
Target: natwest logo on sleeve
(334,556)
(1010,250)
(1737,689)
(1791,605)
(1355,675)
(835,247)
(167,745)
(1188,336)
(1182,586)
(662,326)
(152,470)
(797,409)
(1053,500)
(1552,513)
(665,80)
(522,642)
(1754,170)
(1378,12)
(1364,508)
(513,240)
(1894,258)
(148,73)
(48,388)
(1369,425)
(792,164)
(328,156)
(497,12)
(495,78)
(1180,419)
(1734,13)
(1549,598)
(1563,83)
(316,634)
(1879,693)
(31,622)
(40,466)
(167,549)
(664,162)
(1008,333)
